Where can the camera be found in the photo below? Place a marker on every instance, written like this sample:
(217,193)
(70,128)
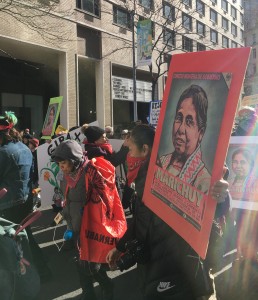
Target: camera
(135,253)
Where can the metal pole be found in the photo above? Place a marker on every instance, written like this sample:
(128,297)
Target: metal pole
(135,115)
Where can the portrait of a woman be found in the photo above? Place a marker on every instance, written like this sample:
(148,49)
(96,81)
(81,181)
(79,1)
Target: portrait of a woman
(50,119)
(242,184)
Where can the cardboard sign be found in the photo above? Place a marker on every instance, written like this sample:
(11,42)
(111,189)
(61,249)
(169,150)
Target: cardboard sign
(155,107)
(191,141)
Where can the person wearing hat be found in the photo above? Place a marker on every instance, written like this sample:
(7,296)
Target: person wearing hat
(71,160)
(15,170)
(97,145)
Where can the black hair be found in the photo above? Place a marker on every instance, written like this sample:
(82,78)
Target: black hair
(200,103)
(143,134)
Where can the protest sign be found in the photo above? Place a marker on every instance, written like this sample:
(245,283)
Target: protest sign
(51,117)
(191,141)
(242,161)
(155,107)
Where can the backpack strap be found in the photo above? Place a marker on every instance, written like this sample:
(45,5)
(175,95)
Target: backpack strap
(27,221)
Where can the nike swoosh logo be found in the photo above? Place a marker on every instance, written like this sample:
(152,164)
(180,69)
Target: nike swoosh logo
(160,289)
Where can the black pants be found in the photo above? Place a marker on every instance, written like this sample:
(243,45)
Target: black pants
(89,272)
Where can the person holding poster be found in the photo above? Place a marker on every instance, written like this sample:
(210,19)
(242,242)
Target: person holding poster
(188,130)
(49,123)
(168,267)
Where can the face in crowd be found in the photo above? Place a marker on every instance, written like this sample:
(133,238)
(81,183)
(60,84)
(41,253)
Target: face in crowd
(140,141)
(190,121)
(102,140)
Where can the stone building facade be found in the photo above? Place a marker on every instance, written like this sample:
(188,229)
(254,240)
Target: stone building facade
(81,49)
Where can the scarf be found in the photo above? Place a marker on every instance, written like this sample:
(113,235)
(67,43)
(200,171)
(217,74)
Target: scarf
(134,164)
(192,166)
(74,177)
(106,146)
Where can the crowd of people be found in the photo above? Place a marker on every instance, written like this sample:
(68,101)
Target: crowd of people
(89,175)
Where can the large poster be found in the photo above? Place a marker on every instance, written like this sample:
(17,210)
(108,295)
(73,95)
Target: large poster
(242,161)
(191,141)
(51,117)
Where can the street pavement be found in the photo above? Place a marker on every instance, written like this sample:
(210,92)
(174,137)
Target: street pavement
(64,282)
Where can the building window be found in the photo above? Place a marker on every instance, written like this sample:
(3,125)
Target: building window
(214,2)
(122,17)
(233,44)
(233,12)
(200,47)
(241,18)
(200,28)
(91,6)
(214,36)
(146,3)
(187,21)
(152,26)
(169,11)
(241,34)
(225,23)
(254,38)
(254,53)
(234,29)
(169,37)
(187,2)
(187,44)
(225,42)
(224,5)
(200,7)
(254,69)
(213,16)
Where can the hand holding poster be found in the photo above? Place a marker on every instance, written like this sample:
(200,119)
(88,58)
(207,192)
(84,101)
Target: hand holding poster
(192,138)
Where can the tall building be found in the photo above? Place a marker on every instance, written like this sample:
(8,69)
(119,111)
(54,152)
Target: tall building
(82,50)
(251,40)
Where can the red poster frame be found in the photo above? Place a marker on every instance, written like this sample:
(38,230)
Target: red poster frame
(231,61)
